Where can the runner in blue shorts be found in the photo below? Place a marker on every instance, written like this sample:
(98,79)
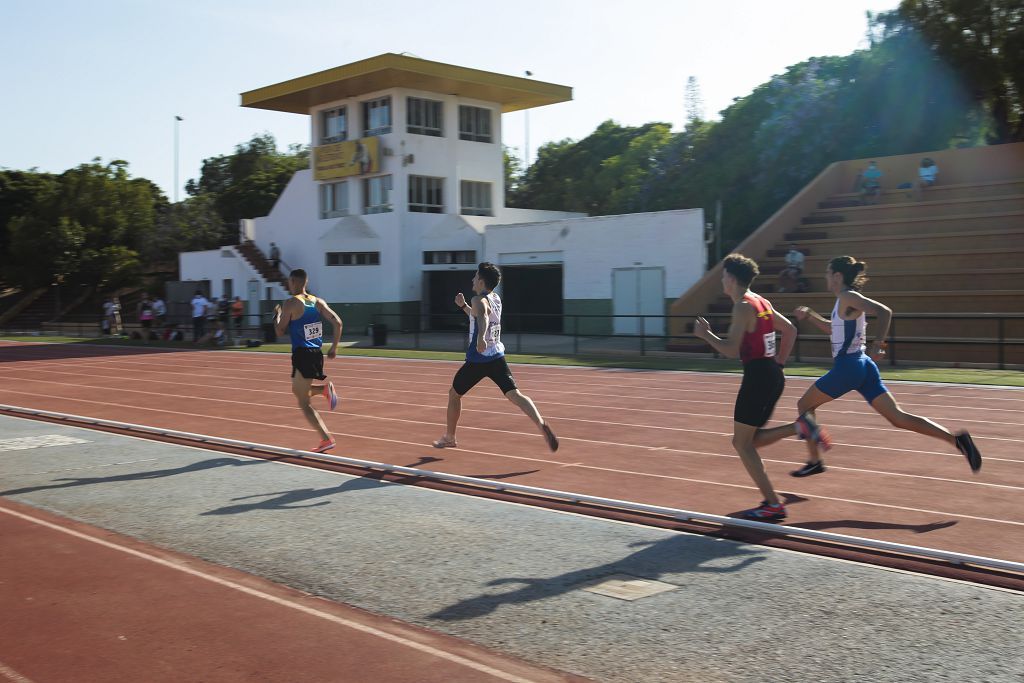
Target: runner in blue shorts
(855,370)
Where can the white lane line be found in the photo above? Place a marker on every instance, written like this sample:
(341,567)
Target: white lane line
(590,467)
(581,440)
(217,371)
(277,600)
(12,675)
(347,397)
(569,438)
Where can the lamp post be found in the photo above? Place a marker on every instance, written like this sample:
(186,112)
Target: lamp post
(526,144)
(177,120)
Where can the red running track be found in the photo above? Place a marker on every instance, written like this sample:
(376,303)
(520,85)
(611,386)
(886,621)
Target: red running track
(660,438)
(83,604)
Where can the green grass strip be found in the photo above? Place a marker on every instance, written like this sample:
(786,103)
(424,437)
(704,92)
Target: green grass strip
(1013,378)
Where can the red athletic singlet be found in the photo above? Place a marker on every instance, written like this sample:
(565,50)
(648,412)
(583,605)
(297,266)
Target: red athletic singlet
(761,342)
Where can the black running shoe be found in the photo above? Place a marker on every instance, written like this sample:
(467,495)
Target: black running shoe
(550,436)
(809,469)
(966,445)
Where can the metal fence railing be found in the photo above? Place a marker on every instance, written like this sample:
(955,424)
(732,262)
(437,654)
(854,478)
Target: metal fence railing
(994,338)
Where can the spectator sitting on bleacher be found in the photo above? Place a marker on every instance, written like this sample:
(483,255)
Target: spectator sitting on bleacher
(871,184)
(789,277)
(927,174)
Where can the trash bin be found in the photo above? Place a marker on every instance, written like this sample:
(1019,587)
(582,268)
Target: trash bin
(380,334)
(269,333)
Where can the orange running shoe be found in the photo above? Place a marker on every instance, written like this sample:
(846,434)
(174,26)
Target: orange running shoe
(324,446)
(331,395)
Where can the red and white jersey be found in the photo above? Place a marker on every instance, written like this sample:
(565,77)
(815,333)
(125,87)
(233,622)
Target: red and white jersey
(761,342)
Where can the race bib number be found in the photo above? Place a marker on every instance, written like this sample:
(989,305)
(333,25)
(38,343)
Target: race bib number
(495,334)
(313,330)
(769,345)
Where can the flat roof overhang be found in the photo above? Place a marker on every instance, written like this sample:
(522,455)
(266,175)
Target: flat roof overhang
(300,95)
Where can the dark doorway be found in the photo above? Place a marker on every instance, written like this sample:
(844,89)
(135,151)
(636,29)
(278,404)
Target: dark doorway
(532,298)
(441,287)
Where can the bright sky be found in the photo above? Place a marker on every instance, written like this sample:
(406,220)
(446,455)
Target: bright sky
(106,77)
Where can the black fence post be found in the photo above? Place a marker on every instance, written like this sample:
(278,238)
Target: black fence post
(1002,342)
(519,333)
(796,346)
(643,336)
(575,335)
(892,341)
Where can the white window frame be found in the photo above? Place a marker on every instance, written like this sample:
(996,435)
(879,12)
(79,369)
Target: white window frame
(444,258)
(426,194)
(476,123)
(384,203)
(476,198)
(352,258)
(326,139)
(334,200)
(375,123)
(424,117)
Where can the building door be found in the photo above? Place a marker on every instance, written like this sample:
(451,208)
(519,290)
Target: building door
(441,288)
(252,304)
(532,298)
(635,292)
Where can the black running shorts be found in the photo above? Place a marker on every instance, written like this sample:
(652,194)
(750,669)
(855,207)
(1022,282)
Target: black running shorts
(763,382)
(309,363)
(471,373)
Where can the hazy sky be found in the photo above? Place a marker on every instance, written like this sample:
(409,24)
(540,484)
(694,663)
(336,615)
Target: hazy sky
(106,77)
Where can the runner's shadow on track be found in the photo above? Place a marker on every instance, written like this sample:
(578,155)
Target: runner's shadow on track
(507,475)
(71,482)
(787,499)
(86,348)
(657,560)
(860,524)
(288,500)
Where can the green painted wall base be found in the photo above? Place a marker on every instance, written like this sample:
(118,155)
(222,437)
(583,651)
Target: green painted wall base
(395,314)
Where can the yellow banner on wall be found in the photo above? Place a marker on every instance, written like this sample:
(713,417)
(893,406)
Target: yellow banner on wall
(342,159)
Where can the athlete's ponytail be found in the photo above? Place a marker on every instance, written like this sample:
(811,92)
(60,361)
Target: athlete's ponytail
(851,269)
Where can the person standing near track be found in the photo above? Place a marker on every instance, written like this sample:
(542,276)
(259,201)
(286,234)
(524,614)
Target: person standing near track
(485,357)
(751,338)
(855,370)
(301,317)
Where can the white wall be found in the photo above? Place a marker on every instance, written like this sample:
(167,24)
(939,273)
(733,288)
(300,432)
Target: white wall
(214,266)
(590,248)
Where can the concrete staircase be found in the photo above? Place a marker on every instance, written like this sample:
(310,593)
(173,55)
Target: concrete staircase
(950,266)
(251,253)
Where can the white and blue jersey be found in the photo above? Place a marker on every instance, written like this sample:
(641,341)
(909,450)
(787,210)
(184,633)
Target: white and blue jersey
(852,370)
(848,335)
(493,348)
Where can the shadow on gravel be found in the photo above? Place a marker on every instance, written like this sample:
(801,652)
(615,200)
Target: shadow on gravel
(658,560)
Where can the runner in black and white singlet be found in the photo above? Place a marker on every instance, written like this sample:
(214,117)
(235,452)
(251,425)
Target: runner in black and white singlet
(302,318)
(855,370)
(485,357)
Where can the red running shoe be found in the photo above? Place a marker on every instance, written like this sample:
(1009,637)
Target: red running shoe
(766,513)
(324,446)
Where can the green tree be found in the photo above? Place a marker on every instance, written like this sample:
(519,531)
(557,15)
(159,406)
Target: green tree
(246,184)
(86,227)
(983,40)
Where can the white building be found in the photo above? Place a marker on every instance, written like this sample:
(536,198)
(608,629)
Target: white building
(406,195)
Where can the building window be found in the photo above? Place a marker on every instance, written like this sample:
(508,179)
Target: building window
(441,258)
(423,117)
(333,125)
(426,195)
(476,199)
(333,200)
(474,123)
(377,194)
(353,258)
(377,117)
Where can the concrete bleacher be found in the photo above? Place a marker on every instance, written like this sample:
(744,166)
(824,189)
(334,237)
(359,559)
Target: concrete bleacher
(957,252)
